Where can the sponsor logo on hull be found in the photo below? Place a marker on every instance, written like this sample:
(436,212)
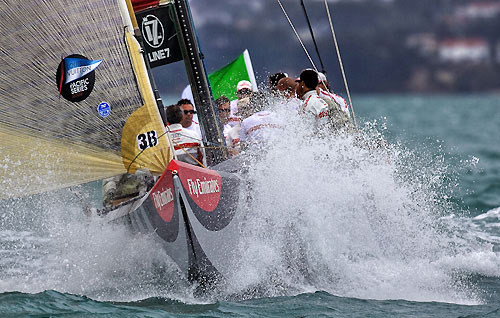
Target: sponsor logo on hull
(162,196)
(204,186)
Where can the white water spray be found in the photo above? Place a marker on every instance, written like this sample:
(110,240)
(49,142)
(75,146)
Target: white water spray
(339,214)
(48,243)
(326,213)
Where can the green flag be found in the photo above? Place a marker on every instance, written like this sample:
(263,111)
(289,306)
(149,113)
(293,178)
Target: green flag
(224,81)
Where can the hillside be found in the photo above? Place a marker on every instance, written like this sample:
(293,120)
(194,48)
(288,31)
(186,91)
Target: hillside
(386,46)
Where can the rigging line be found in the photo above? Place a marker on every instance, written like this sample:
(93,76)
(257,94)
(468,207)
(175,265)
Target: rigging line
(170,143)
(140,153)
(184,149)
(296,34)
(203,141)
(214,146)
(340,62)
(173,151)
(312,36)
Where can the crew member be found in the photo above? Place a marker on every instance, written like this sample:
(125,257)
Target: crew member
(187,145)
(314,105)
(286,87)
(224,109)
(121,188)
(233,136)
(243,90)
(325,92)
(187,117)
(257,123)
(274,79)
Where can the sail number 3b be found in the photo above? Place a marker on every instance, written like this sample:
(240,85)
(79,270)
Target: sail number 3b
(147,140)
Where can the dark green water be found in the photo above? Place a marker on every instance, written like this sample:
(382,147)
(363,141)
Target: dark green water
(429,248)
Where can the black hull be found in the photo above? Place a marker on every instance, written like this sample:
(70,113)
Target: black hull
(193,212)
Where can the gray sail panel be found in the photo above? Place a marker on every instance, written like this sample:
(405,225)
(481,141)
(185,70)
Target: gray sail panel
(34,37)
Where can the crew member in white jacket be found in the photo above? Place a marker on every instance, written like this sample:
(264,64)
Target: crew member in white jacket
(187,145)
(258,124)
(324,92)
(314,105)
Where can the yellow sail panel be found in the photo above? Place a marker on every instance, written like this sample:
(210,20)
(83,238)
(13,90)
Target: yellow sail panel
(144,142)
(31,164)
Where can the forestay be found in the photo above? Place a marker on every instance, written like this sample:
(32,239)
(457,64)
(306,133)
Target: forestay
(50,142)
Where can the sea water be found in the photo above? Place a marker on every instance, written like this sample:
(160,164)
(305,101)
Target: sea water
(335,227)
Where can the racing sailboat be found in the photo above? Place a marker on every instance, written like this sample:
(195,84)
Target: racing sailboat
(191,209)
(78,104)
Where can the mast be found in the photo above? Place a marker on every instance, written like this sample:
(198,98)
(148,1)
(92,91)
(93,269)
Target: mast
(197,75)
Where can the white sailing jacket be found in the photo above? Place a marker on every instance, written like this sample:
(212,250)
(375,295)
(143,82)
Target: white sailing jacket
(314,105)
(226,129)
(233,137)
(233,118)
(195,127)
(325,112)
(187,144)
(255,127)
(338,99)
